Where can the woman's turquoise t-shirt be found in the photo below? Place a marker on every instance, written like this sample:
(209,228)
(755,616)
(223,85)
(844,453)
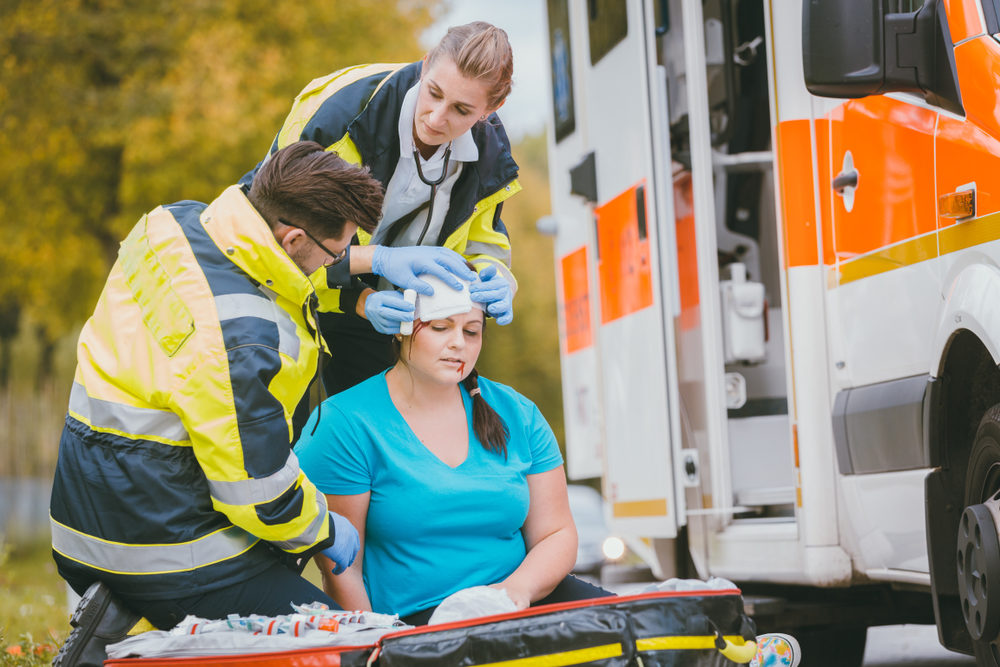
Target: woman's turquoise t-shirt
(432,530)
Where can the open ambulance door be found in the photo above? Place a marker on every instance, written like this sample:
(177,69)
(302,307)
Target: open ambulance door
(615,261)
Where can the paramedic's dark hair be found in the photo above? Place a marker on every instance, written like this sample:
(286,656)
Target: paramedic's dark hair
(481,51)
(316,189)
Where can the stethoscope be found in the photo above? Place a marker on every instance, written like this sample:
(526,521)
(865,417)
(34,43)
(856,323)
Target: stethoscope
(433,185)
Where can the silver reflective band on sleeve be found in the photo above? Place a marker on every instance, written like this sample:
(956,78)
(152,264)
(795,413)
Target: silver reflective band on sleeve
(233,306)
(259,490)
(149,558)
(491,250)
(310,534)
(126,418)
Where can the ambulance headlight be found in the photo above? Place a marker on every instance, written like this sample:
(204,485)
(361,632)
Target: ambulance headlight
(613,548)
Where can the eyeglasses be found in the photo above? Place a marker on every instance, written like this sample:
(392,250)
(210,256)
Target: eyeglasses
(334,257)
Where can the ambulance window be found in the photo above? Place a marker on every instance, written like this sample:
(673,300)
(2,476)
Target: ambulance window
(991,12)
(608,21)
(564,117)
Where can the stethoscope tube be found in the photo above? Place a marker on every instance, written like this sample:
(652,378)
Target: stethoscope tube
(433,185)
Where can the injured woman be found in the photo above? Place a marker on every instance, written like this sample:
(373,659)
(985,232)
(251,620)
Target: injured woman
(453,481)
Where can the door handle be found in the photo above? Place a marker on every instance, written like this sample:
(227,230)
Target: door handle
(845,179)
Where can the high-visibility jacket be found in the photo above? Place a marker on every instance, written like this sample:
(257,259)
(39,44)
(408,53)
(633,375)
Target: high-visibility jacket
(175,471)
(355,112)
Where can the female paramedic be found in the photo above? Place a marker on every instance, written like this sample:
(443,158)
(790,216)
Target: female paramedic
(452,480)
(428,132)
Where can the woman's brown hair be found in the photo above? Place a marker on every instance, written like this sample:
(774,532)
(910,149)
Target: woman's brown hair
(481,51)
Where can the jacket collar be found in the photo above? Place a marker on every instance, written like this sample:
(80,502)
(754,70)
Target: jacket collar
(245,238)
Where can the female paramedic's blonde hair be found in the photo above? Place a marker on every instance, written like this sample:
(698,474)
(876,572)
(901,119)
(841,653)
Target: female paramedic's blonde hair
(480,51)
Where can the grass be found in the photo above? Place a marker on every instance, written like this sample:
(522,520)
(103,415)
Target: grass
(34,620)
(33,616)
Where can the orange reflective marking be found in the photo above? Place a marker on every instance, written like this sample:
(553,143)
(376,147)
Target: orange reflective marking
(623,255)
(963,19)
(687,250)
(966,151)
(892,146)
(576,300)
(978,65)
(795,181)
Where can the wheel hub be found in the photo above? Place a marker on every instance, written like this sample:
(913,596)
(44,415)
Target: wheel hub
(979,572)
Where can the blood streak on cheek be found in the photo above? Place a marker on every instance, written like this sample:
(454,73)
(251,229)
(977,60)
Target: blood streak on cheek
(461,369)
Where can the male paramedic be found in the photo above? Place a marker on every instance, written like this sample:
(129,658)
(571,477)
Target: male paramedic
(176,490)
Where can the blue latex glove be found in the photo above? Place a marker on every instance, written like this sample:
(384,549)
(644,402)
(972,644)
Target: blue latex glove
(345,543)
(493,290)
(386,309)
(401,266)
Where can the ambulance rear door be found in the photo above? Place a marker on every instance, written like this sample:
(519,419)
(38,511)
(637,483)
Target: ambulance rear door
(621,166)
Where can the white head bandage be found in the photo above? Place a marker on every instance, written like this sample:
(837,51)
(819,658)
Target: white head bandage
(444,302)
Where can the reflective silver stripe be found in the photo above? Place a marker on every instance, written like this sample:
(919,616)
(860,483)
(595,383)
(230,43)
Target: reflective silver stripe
(310,534)
(233,306)
(126,418)
(259,490)
(493,250)
(149,558)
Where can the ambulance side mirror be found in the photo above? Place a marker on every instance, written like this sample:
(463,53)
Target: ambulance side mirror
(855,48)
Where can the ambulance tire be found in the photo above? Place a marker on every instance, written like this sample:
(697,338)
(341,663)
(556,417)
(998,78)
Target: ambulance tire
(982,480)
(832,646)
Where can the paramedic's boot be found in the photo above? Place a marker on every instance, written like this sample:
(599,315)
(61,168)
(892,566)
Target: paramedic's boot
(100,619)
(776,650)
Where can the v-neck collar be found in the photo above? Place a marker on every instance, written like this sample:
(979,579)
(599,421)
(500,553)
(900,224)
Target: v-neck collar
(417,442)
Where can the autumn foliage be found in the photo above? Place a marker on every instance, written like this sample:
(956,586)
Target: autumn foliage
(111,107)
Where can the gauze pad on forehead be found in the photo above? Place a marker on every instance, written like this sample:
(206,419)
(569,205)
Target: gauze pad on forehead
(445,302)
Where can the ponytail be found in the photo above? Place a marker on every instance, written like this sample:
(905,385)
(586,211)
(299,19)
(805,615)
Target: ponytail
(488,425)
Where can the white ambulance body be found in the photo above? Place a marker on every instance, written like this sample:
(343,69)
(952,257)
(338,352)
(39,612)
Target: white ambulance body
(780,312)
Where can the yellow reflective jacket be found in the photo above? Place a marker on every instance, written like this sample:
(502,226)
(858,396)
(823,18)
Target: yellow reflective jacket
(175,468)
(355,112)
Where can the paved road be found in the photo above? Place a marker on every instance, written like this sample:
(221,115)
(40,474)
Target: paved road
(909,645)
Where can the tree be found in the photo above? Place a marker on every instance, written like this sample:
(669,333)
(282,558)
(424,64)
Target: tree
(109,108)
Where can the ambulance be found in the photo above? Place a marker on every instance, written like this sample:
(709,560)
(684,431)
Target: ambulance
(776,232)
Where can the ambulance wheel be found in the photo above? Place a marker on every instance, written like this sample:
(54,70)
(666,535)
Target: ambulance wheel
(978,546)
